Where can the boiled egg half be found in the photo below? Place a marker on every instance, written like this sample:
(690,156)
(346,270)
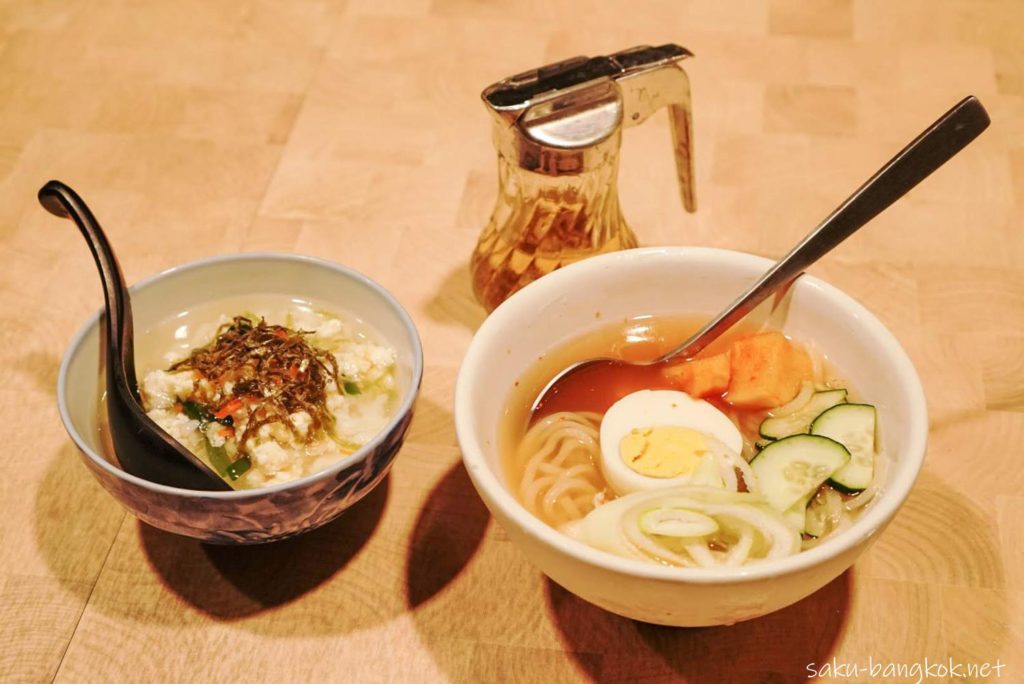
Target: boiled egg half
(662,438)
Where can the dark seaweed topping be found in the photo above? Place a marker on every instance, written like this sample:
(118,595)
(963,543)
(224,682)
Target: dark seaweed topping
(273,372)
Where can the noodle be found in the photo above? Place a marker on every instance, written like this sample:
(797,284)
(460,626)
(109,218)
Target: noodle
(561,479)
(532,490)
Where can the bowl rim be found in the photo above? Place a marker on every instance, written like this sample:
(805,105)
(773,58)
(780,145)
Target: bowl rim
(408,398)
(493,490)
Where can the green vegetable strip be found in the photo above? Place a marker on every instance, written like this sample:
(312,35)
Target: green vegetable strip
(196,412)
(218,457)
(239,468)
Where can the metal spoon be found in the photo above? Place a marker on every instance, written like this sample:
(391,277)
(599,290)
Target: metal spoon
(142,447)
(915,162)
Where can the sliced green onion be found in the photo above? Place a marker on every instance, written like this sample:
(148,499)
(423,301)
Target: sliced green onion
(239,468)
(677,522)
(218,456)
(196,412)
(352,388)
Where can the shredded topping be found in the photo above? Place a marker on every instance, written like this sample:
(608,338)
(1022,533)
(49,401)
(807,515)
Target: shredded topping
(269,370)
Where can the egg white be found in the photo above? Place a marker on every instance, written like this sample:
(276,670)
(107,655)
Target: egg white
(656,408)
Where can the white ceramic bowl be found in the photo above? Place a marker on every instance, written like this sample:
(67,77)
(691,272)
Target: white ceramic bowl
(265,513)
(682,280)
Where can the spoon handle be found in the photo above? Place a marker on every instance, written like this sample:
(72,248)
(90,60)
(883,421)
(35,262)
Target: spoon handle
(915,162)
(60,200)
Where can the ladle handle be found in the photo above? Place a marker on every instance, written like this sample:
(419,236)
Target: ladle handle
(915,162)
(61,201)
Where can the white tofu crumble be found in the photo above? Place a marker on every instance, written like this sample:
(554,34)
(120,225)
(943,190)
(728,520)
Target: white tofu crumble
(359,418)
(364,362)
(179,426)
(301,421)
(161,389)
(283,451)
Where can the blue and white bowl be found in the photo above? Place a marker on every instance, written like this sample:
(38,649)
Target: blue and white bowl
(272,512)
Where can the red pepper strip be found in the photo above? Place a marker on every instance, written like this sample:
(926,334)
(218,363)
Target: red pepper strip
(228,408)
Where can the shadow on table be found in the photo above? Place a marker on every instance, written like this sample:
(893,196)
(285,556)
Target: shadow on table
(447,534)
(603,646)
(454,301)
(235,582)
(40,368)
(774,648)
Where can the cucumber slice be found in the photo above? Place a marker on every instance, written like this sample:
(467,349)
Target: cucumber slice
(794,467)
(800,421)
(853,426)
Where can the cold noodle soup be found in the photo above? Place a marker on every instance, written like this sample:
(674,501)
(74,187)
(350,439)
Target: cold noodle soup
(756,449)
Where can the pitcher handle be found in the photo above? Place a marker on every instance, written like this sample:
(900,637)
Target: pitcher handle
(647,90)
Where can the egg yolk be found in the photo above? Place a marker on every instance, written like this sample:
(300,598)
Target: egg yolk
(664,451)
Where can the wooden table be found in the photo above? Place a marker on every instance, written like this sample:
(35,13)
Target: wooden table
(353,131)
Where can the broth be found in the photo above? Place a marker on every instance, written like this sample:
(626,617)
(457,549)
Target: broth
(554,460)
(636,339)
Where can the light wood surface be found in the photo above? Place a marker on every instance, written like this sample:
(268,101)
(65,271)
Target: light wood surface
(353,131)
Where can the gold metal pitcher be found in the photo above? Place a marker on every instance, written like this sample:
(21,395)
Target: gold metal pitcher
(558,130)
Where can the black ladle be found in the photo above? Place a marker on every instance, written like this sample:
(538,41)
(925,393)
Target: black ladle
(142,447)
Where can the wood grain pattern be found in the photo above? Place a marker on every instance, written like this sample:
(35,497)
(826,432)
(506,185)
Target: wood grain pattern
(353,130)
